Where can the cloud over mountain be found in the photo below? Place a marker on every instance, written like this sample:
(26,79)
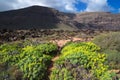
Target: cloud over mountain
(62,5)
(96,5)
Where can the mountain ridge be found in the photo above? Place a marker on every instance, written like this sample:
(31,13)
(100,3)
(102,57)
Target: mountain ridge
(50,18)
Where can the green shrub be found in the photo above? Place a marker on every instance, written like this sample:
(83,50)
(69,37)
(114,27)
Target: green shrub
(34,65)
(9,53)
(48,48)
(25,61)
(77,47)
(79,61)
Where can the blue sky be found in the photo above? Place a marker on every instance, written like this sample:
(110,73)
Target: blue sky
(115,4)
(65,5)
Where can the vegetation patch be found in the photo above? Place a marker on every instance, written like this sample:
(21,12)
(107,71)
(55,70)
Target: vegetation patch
(80,61)
(32,61)
(110,44)
(24,61)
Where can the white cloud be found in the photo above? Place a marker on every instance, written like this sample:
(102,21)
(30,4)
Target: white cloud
(63,5)
(119,10)
(96,5)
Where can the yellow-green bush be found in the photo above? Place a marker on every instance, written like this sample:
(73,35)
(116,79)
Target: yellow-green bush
(48,48)
(79,61)
(25,61)
(34,64)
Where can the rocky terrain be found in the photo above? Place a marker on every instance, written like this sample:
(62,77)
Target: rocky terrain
(46,35)
(99,20)
(49,18)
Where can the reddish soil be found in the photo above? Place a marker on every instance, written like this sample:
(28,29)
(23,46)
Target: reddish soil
(61,43)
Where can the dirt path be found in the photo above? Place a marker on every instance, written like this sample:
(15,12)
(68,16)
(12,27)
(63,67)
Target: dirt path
(53,60)
(60,44)
(52,63)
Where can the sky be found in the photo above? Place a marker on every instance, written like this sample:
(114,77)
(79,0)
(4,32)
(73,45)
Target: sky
(65,5)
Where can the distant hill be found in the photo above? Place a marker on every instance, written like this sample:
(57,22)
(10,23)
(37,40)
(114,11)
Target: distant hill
(49,18)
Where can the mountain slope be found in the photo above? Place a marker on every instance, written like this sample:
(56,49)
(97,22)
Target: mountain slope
(32,17)
(49,18)
(99,20)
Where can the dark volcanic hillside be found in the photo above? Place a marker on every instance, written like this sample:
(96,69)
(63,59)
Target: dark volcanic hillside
(49,18)
(29,17)
(33,17)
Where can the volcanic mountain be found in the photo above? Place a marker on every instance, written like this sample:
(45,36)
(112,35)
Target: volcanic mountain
(48,18)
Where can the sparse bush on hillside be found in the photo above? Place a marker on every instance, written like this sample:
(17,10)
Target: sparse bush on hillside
(80,61)
(110,44)
(113,58)
(109,41)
